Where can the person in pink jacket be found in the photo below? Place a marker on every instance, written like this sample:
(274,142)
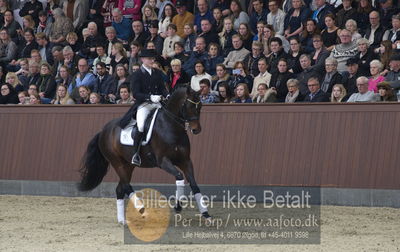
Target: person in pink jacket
(130,9)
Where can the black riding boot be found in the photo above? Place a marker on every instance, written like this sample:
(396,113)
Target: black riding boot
(137,140)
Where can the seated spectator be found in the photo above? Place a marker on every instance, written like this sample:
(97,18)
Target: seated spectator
(385,92)
(330,34)
(70,59)
(203,13)
(348,12)
(125,95)
(218,20)
(269,33)
(246,35)
(351,26)
(264,94)
(134,55)
(94,98)
(293,94)
(8,95)
(376,68)
(208,33)
(306,37)
(351,76)
(139,34)
(331,76)
(385,51)
(61,27)
(190,38)
(130,9)
(224,93)
(260,31)
(213,58)
(101,57)
(315,93)
(200,74)
(184,17)
(64,78)
(238,15)
(205,95)
(33,75)
(225,36)
(88,49)
(23,72)
(12,26)
(221,76)
(106,11)
(263,77)
(251,60)
(295,17)
(166,18)
(149,16)
(242,94)
(28,44)
(23,98)
(118,56)
(322,9)
(320,54)
(198,54)
(177,77)
(276,17)
(393,76)
(365,55)
(44,24)
(82,78)
(120,77)
(180,52)
(240,74)
(111,35)
(155,37)
(363,95)
(122,26)
(238,54)
(393,34)
(168,48)
(32,90)
(279,80)
(105,85)
(35,99)
(84,95)
(339,93)
(293,57)
(58,57)
(260,12)
(345,50)
(46,82)
(44,48)
(277,53)
(374,31)
(8,50)
(28,23)
(62,96)
(12,79)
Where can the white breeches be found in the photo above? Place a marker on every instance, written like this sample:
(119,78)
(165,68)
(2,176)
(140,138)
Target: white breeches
(142,113)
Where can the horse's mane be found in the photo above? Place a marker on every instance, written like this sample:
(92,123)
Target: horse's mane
(177,97)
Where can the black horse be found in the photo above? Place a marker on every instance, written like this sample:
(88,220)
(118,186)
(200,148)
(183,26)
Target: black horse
(168,149)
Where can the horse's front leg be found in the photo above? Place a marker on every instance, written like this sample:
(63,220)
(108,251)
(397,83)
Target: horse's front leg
(167,166)
(187,169)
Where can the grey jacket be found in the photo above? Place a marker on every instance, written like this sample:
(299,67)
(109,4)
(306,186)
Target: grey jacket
(394,79)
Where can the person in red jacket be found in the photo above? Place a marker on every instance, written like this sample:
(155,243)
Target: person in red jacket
(130,9)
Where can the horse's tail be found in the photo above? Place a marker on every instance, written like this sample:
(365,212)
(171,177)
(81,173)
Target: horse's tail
(94,166)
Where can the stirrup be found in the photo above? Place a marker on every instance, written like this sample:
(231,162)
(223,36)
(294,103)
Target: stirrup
(136,159)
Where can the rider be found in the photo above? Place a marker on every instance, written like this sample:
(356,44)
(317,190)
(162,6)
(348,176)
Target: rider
(148,88)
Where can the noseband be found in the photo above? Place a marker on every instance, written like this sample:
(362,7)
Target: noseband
(184,112)
(182,120)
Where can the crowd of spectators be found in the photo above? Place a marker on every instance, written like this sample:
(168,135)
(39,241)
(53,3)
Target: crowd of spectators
(253,51)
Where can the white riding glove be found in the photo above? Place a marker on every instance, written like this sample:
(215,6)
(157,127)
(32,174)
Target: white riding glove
(155,98)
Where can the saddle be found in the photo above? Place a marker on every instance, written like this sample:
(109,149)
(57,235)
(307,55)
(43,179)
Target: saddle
(126,133)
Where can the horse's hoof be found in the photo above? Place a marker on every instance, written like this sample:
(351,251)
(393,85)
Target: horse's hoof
(207,217)
(178,208)
(122,223)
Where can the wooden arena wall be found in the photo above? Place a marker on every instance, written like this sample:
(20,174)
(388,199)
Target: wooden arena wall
(329,145)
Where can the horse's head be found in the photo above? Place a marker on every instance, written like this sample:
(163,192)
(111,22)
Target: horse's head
(191,110)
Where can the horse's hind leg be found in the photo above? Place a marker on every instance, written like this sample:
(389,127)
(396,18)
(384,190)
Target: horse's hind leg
(167,166)
(187,168)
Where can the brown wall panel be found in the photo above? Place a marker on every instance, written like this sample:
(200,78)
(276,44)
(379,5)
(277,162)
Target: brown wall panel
(335,145)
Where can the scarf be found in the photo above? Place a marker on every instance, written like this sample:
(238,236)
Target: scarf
(292,98)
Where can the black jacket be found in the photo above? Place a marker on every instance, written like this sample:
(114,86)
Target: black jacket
(143,85)
(252,64)
(303,79)
(141,38)
(273,60)
(47,84)
(363,66)
(183,79)
(278,81)
(378,35)
(321,15)
(36,7)
(336,79)
(350,83)
(91,42)
(210,37)
(320,96)
(105,86)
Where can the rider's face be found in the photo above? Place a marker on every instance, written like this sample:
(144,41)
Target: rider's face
(148,62)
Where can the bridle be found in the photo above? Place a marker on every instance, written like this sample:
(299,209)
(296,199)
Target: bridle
(182,120)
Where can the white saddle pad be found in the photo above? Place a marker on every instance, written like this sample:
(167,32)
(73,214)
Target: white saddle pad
(126,137)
